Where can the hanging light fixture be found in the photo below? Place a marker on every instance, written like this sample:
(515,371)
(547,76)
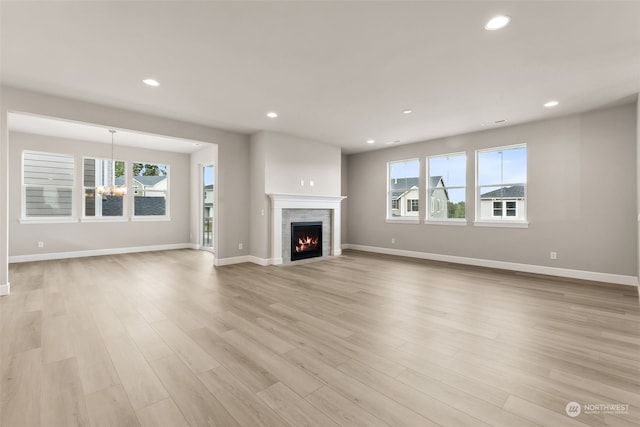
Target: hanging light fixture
(112,190)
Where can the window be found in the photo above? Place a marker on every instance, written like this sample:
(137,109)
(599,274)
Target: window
(502,184)
(47,185)
(150,182)
(509,208)
(447,186)
(403,189)
(497,209)
(98,174)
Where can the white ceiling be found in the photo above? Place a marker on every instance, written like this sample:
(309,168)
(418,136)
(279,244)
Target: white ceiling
(338,72)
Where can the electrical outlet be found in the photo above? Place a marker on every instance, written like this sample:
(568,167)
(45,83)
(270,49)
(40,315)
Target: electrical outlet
(261,212)
(393,240)
(41,244)
(240,246)
(553,255)
(311,183)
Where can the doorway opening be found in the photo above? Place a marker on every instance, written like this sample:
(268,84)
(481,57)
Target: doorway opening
(208,188)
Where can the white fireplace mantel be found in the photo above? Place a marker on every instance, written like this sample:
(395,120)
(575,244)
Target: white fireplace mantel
(301,201)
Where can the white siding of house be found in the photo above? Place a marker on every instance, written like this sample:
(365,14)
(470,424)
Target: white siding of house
(486,210)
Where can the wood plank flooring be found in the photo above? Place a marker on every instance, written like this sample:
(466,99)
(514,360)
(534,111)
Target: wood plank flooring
(165,339)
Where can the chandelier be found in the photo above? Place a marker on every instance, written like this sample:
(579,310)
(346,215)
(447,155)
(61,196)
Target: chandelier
(112,190)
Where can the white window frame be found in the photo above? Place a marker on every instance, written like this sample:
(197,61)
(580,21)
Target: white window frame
(435,205)
(24,219)
(502,222)
(402,219)
(84,218)
(167,192)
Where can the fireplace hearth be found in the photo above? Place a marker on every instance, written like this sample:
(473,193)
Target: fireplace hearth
(306,240)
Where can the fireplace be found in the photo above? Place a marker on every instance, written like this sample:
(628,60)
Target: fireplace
(289,208)
(306,240)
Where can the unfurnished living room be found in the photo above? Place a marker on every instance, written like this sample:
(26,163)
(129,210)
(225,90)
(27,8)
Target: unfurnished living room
(319,213)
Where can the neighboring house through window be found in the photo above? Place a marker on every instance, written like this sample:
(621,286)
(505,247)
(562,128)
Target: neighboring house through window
(447,186)
(150,185)
(47,185)
(502,184)
(403,195)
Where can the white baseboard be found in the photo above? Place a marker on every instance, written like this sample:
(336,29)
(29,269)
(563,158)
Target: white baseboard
(219,262)
(97,252)
(502,265)
(5,289)
(245,258)
(260,261)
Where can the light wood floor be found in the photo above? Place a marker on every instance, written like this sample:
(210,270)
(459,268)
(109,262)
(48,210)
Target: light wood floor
(164,339)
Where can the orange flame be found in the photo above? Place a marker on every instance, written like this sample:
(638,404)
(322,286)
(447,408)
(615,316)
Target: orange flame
(306,243)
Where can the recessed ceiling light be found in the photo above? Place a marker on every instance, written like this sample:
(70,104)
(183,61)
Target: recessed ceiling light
(407,111)
(393,142)
(500,121)
(371,141)
(272,115)
(151,82)
(497,23)
(551,104)
(196,144)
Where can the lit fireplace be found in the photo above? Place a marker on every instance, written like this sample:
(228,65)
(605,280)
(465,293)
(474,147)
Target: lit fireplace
(306,240)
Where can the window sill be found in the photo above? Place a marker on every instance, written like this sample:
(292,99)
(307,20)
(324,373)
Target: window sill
(104,219)
(150,218)
(454,222)
(45,220)
(403,221)
(502,224)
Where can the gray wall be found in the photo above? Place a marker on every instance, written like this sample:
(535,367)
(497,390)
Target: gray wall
(260,215)
(233,157)
(344,191)
(582,193)
(4,197)
(82,236)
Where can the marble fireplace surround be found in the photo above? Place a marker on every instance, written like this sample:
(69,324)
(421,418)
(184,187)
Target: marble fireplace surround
(298,201)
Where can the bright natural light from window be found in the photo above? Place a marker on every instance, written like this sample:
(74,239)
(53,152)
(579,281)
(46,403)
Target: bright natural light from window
(447,186)
(150,184)
(102,173)
(47,184)
(502,184)
(403,192)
